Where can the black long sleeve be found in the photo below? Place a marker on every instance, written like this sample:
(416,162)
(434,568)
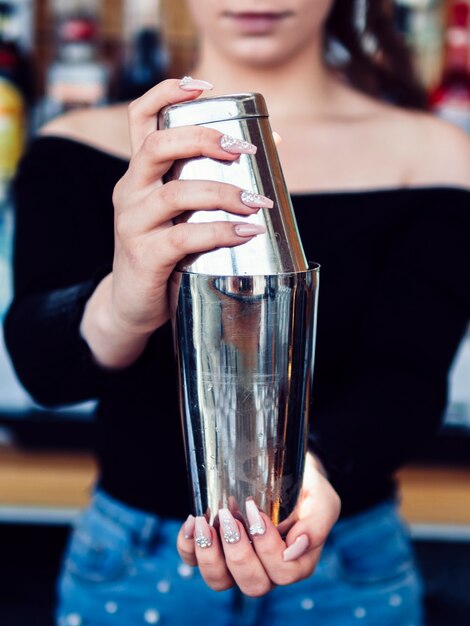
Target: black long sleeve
(391,387)
(60,202)
(394,302)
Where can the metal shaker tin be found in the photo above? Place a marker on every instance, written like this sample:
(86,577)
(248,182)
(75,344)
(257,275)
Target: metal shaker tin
(243,116)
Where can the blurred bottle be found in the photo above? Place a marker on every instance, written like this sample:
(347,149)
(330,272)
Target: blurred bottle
(16,94)
(6,234)
(451,99)
(421,24)
(145,66)
(145,59)
(77,77)
(16,89)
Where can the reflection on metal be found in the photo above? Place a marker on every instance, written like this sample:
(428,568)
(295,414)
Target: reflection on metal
(245,356)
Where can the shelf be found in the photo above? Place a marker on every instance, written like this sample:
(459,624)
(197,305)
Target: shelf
(434,495)
(39,483)
(52,486)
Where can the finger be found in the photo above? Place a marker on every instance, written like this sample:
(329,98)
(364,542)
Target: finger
(161,148)
(318,508)
(277,138)
(270,549)
(180,240)
(310,532)
(185,542)
(176,197)
(143,111)
(241,559)
(210,557)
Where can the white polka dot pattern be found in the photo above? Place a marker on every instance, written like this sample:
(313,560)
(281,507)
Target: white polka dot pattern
(151,616)
(307,604)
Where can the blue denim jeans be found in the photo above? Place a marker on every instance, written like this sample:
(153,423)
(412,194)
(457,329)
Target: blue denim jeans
(122,569)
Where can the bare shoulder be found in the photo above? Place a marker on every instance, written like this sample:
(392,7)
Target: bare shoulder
(436,152)
(104,128)
(425,150)
(444,152)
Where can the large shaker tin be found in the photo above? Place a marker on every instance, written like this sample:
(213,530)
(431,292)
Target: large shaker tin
(244,350)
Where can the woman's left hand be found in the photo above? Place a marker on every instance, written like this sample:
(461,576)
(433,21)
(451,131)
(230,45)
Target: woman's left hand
(228,556)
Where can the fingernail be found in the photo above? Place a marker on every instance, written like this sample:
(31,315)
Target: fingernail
(188,527)
(188,83)
(228,527)
(296,550)
(255,200)
(202,533)
(249,230)
(236,146)
(257,526)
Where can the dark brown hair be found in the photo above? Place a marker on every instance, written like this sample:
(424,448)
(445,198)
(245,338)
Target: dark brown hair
(387,72)
(384,68)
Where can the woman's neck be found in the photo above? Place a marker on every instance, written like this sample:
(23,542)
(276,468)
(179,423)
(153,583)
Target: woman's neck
(301,86)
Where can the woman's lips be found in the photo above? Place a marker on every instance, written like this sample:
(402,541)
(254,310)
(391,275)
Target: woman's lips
(257,23)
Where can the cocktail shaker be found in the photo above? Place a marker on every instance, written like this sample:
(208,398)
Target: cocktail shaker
(244,322)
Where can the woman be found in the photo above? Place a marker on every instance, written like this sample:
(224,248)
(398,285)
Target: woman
(379,193)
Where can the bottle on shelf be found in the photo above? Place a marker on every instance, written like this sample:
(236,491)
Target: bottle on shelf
(145,59)
(16,89)
(16,95)
(77,77)
(144,67)
(451,98)
(421,24)
(6,234)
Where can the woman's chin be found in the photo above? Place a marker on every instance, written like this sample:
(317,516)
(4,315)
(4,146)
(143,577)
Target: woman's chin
(261,54)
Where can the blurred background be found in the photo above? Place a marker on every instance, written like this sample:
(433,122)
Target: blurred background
(56,55)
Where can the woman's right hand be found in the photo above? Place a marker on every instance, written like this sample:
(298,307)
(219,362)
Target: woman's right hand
(132,302)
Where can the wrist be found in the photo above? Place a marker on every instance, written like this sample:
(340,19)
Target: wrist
(314,461)
(114,344)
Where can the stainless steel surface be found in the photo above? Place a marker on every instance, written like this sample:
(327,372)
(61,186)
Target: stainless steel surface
(243,116)
(209,110)
(245,358)
(244,328)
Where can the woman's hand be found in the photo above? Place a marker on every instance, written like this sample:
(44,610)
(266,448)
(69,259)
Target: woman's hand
(132,302)
(226,557)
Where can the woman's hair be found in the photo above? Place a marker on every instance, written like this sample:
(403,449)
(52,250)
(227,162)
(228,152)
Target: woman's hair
(377,60)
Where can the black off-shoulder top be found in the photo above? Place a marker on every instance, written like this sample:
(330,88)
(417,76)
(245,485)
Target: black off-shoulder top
(394,304)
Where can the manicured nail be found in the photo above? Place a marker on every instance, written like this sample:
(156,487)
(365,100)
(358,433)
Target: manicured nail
(188,83)
(296,550)
(188,527)
(228,527)
(257,526)
(202,532)
(249,230)
(236,146)
(255,200)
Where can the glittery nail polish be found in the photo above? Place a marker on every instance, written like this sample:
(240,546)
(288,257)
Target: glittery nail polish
(236,146)
(228,527)
(257,526)
(255,200)
(188,83)
(202,533)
